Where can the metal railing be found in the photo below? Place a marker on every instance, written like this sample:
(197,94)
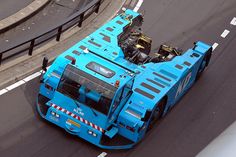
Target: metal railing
(55,32)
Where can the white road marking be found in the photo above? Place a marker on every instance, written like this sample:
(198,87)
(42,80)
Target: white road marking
(103,154)
(225,33)
(138,5)
(233,22)
(31,77)
(3,91)
(17,84)
(21,82)
(214,46)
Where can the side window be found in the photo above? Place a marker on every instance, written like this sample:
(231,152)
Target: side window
(122,94)
(117,100)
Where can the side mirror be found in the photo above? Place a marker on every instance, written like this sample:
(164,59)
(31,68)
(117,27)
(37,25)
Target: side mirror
(147,116)
(45,64)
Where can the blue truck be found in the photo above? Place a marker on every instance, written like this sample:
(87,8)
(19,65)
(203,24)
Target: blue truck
(109,90)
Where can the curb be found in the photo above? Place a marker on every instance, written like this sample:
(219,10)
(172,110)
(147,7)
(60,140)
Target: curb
(27,65)
(22,15)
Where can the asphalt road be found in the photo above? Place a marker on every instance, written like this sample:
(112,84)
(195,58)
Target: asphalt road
(9,7)
(203,113)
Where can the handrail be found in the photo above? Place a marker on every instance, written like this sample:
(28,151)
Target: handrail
(76,18)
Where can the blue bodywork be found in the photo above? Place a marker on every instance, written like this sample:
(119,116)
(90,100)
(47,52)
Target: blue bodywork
(132,91)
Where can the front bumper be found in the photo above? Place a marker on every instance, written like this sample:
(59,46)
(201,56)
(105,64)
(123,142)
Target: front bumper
(75,126)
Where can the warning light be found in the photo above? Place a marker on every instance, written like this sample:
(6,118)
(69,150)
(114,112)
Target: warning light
(117,84)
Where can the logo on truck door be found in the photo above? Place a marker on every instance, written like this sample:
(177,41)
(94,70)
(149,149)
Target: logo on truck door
(183,84)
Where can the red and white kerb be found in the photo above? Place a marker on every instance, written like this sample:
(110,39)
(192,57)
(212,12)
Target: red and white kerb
(78,118)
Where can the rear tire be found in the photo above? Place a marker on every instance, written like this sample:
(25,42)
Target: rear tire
(201,69)
(203,65)
(158,112)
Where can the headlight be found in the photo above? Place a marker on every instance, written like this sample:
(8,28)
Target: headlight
(57,115)
(95,135)
(90,132)
(53,113)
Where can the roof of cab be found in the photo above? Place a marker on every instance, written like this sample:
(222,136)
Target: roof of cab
(82,59)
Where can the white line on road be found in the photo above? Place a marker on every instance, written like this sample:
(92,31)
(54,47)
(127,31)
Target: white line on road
(3,91)
(214,46)
(138,5)
(103,154)
(17,84)
(225,33)
(31,77)
(123,9)
(233,22)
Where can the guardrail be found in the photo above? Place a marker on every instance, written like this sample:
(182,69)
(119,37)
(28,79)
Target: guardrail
(55,32)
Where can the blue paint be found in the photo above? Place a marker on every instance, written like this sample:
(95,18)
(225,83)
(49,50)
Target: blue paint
(118,80)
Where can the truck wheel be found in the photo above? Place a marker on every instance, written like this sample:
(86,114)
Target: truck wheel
(204,64)
(157,113)
(201,69)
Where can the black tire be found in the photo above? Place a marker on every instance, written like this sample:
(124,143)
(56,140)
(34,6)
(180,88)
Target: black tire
(200,70)
(158,112)
(203,65)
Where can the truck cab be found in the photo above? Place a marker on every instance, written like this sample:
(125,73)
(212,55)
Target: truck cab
(85,94)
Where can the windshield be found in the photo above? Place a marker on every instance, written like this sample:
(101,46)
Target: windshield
(87,89)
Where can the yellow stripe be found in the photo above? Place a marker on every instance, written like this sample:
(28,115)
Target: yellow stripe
(74,123)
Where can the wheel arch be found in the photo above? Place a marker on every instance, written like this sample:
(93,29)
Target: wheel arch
(166,106)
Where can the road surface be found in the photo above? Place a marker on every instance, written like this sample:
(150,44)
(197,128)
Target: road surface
(9,7)
(204,112)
